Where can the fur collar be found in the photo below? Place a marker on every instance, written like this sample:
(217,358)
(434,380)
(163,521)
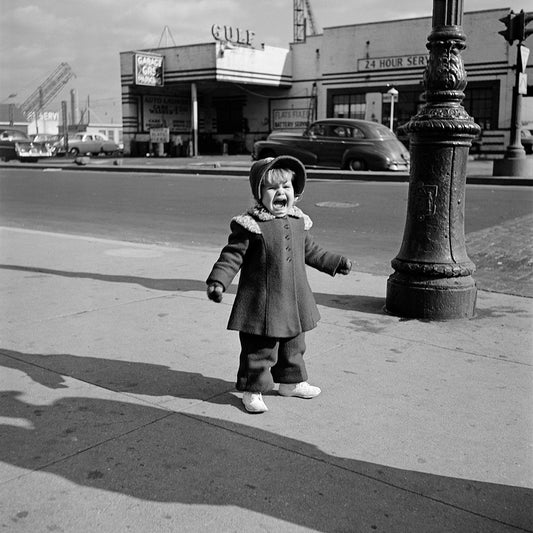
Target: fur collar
(258,213)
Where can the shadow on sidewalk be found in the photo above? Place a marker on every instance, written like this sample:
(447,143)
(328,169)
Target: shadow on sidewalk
(364,304)
(161,284)
(128,377)
(151,454)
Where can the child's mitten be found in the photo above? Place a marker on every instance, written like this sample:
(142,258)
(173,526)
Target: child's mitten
(215,291)
(345,266)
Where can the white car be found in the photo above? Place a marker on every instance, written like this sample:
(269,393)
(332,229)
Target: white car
(91,144)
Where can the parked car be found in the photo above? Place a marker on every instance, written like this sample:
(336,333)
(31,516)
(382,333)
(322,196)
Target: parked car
(88,143)
(527,141)
(42,137)
(16,144)
(48,139)
(340,143)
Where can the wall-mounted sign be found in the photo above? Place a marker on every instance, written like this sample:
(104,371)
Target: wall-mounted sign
(393,62)
(148,69)
(288,119)
(232,35)
(166,112)
(159,135)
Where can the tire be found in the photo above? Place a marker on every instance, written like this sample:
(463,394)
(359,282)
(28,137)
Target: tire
(356,165)
(74,152)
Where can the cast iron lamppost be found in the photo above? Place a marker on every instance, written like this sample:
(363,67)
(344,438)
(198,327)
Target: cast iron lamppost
(433,274)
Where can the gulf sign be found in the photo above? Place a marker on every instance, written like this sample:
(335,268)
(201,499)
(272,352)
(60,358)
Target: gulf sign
(148,69)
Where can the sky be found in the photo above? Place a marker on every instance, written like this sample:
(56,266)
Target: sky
(37,35)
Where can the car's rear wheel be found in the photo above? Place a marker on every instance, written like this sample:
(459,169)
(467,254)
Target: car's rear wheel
(356,164)
(74,152)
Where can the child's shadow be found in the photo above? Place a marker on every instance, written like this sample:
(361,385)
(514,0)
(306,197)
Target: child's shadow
(129,377)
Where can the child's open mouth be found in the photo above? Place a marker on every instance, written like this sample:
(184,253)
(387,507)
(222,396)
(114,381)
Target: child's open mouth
(281,202)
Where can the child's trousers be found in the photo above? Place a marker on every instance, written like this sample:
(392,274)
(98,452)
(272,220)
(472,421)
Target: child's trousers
(268,360)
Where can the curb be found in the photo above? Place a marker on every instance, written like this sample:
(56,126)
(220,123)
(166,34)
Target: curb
(215,170)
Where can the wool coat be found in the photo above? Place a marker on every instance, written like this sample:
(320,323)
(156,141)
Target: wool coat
(273,297)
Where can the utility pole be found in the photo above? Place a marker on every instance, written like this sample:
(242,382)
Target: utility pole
(433,274)
(393,95)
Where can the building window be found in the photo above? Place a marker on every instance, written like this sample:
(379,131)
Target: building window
(481,102)
(409,102)
(482,105)
(349,106)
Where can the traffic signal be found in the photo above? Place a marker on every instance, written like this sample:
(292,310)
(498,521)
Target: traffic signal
(509,32)
(516,26)
(523,19)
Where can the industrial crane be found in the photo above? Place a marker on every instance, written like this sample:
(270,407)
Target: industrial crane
(301,8)
(47,91)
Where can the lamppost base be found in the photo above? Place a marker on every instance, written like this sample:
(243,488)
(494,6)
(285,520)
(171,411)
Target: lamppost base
(429,298)
(513,167)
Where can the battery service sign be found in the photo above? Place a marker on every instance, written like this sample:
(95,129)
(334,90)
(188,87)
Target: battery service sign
(288,119)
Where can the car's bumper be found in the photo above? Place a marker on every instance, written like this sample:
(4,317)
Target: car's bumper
(398,167)
(33,155)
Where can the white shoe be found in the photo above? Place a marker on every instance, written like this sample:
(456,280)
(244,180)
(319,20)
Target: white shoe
(300,390)
(253,402)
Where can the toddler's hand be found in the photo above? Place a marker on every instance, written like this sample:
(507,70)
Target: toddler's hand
(214,292)
(345,266)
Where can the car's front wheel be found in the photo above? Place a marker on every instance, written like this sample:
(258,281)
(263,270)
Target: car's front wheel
(356,164)
(74,152)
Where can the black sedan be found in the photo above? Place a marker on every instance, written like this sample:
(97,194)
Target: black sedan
(16,144)
(339,143)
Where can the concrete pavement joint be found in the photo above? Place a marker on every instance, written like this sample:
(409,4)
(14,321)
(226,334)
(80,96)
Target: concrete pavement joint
(351,471)
(88,448)
(103,308)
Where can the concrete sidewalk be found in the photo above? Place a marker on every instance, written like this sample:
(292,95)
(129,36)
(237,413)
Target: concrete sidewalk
(118,411)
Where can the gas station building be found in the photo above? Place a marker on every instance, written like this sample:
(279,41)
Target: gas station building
(224,95)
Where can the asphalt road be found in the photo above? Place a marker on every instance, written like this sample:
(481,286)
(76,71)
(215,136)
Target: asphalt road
(361,219)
